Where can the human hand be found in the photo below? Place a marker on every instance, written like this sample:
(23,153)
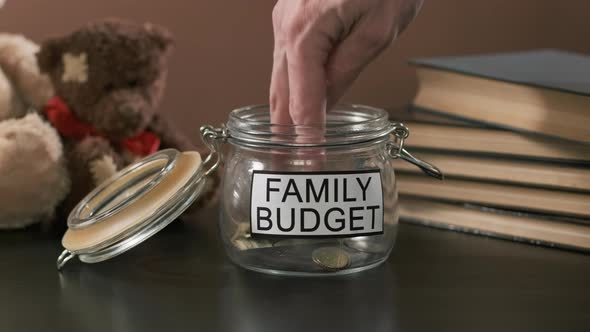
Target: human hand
(321,46)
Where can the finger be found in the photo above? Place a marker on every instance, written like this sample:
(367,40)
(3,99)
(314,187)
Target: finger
(307,86)
(307,83)
(279,91)
(279,82)
(279,107)
(351,56)
(307,105)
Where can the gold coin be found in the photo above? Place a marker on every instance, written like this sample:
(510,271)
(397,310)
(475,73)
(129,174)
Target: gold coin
(330,258)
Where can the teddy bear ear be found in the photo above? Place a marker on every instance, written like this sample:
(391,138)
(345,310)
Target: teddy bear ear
(49,55)
(159,35)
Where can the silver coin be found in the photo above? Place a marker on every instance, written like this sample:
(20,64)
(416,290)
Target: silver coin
(331,258)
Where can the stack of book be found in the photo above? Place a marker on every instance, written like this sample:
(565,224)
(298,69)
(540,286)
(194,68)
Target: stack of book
(511,133)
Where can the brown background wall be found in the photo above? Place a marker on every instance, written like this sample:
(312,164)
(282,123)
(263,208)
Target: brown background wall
(223,47)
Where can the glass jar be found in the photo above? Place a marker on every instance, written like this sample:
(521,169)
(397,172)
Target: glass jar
(297,228)
(296,200)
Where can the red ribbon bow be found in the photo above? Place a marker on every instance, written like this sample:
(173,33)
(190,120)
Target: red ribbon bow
(66,123)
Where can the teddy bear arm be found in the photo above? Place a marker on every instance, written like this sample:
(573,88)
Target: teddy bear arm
(90,162)
(33,175)
(18,60)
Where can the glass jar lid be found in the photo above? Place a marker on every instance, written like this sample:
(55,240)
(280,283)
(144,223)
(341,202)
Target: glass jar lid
(133,205)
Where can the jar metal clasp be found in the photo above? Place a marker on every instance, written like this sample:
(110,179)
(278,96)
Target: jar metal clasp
(213,137)
(396,150)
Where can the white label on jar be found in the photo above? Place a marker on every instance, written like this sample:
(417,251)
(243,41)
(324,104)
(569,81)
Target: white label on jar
(320,204)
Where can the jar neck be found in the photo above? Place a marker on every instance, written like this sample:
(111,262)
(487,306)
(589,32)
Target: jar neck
(345,125)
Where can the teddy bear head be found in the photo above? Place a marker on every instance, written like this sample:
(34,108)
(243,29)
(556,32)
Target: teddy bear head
(111,74)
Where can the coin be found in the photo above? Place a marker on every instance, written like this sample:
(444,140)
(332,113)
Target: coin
(246,244)
(241,230)
(330,258)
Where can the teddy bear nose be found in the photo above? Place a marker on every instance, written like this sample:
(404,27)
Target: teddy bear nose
(130,115)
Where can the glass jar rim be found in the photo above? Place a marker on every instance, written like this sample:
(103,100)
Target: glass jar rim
(345,124)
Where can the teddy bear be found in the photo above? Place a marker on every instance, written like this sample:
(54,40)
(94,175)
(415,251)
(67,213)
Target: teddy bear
(109,77)
(33,175)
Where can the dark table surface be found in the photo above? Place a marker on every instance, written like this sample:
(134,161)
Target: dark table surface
(181,280)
